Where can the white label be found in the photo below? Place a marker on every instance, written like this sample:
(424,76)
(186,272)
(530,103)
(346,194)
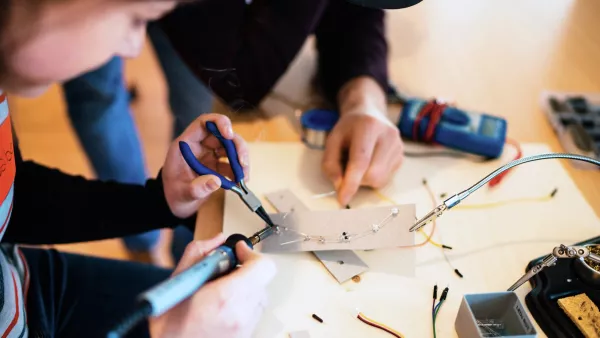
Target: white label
(523,318)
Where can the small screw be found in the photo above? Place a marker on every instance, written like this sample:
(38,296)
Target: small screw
(341,262)
(317,318)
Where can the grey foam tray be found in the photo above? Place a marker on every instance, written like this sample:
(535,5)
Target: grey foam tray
(578,131)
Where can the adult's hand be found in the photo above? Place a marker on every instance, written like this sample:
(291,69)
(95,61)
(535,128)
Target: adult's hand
(364,148)
(184,189)
(228,307)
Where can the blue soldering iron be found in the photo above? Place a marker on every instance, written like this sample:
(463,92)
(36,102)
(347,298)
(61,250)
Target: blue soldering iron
(176,289)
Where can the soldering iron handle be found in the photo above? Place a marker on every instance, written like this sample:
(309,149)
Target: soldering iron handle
(178,288)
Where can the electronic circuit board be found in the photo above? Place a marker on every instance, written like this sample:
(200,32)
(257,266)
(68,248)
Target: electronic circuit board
(575,117)
(552,284)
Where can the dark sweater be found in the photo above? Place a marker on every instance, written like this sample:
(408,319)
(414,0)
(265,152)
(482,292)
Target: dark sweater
(242,50)
(51,207)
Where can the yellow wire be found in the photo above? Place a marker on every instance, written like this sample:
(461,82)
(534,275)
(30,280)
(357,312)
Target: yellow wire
(389,200)
(502,203)
(380,324)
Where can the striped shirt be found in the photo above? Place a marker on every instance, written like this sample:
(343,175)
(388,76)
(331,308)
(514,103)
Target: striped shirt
(14,273)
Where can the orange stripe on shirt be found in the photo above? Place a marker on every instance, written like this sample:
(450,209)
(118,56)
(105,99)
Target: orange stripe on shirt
(7,158)
(16,317)
(2,97)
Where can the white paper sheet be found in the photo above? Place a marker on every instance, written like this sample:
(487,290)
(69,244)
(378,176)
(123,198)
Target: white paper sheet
(491,246)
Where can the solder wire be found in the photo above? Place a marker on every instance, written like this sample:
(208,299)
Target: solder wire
(428,238)
(545,198)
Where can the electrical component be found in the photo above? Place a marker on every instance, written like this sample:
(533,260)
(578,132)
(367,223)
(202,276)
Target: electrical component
(456,199)
(436,122)
(435,309)
(559,252)
(317,318)
(344,237)
(378,325)
(316,125)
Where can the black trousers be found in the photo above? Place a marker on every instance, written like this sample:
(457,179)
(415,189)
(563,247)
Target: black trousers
(81,296)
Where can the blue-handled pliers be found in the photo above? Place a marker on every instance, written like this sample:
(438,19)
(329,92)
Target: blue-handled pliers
(238,172)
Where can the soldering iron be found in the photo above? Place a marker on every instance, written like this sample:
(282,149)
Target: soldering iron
(178,288)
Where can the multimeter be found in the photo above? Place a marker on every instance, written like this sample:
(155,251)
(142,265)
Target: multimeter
(471,132)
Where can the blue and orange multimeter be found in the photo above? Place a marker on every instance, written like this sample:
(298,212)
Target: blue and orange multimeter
(471,132)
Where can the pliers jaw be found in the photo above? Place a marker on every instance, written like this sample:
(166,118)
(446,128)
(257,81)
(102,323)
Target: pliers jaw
(247,196)
(252,202)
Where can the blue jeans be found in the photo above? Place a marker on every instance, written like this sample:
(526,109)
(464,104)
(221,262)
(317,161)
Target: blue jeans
(188,98)
(98,106)
(99,110)
(81,296)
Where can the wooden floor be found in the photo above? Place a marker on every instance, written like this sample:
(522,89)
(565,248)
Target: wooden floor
(492,55)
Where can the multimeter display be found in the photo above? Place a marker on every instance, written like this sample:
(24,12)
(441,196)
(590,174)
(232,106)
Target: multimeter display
(474,133)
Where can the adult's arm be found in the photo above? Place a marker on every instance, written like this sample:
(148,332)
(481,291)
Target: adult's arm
(51,207)
(351,43)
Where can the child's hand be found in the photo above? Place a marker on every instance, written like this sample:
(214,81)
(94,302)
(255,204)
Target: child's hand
(184,189)
(228,307)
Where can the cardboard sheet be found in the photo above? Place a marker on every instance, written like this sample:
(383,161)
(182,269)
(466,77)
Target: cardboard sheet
(342,264)
(333,225)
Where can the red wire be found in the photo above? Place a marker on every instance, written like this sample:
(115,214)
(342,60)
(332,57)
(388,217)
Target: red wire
(434,111)
(378,326)
(496,180)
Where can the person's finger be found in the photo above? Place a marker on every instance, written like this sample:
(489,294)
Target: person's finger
(225,170)
(197,131)
(214,145)
(243,153)
(331,164)
(211,143)
(398,156)
(256,272)
(202,186)
(359,158)
(196,250)
(382,161)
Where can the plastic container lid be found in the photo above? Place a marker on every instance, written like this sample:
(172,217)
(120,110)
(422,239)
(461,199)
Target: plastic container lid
(319,119)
